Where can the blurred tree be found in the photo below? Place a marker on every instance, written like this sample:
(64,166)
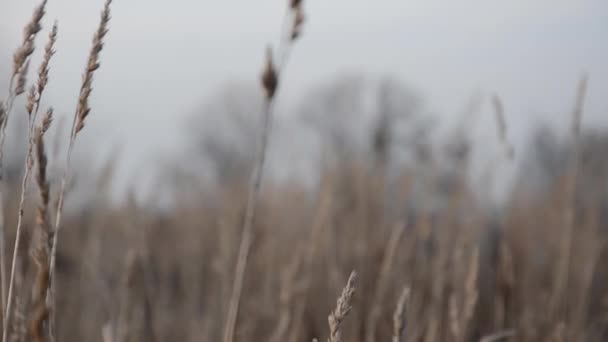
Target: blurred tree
(544,160)
(336,113)
(360,117)
(380,122)
(225,130)
(402,124)
(548,158)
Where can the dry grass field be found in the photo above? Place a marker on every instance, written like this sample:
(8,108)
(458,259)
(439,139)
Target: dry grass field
(256,261)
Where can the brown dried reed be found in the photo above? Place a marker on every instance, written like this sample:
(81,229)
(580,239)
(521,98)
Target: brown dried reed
(269,81)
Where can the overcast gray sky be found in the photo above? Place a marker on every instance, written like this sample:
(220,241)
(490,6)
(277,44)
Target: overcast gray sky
(163,58)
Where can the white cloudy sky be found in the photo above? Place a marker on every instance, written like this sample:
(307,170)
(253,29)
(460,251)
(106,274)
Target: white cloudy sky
(164,57)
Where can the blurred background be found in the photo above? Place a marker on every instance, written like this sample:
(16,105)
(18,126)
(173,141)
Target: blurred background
(389,114)
(173,73)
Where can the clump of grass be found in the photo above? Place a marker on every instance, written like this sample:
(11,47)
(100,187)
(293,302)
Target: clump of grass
(45,249)
(32,107)
(18,79)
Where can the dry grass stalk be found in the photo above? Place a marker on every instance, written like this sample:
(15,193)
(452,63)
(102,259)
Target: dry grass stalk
(40,255)
(577,115)
(2,113)
(501,127)
(43,72)
(289,289)
(31,101)
(343,307)
(49,51)
(21,64)
(269,81)
(506,283)
(438,266)
(293,22)
(122,320)
(460,317)
(82,111)
(322,216)
(570,187)
(383,281)
(19,72)
(471,293)
(587,274)
(32,28)
(455,327)
(21,60)
(400,315)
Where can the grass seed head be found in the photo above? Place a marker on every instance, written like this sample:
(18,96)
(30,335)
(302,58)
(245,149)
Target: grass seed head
(269,76)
